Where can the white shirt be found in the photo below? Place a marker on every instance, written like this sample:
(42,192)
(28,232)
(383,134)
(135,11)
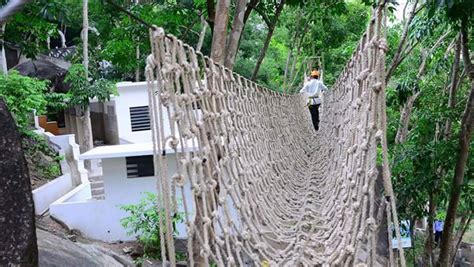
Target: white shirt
(312,89)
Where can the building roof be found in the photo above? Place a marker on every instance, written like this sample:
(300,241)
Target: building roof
(121,151)
(131,84)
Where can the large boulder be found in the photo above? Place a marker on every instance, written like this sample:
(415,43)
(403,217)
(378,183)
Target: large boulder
(17,222)
(55,251)
(46,68)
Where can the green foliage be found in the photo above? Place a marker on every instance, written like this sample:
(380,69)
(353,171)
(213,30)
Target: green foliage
(413,254)
(144,222)
(43,161)
(23,95)
(119,35)
(30,29)
(424,164)
(454,10)
(82,89)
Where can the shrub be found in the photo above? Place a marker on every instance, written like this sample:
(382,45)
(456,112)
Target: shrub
(22,95)
(43,160)
(144,223)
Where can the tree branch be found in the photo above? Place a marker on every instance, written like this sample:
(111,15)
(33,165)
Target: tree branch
(401,46)
(250,6)
(465,53)
(264,17)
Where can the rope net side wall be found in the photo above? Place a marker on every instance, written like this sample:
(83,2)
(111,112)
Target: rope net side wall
(257,185)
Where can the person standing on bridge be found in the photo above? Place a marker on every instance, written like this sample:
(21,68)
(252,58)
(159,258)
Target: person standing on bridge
(313,90)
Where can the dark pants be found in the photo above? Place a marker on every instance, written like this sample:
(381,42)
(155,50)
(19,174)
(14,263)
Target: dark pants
(314,110)
(438,237)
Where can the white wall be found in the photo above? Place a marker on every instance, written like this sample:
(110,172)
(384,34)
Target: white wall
(133,95)
(72,168)
(100,219)
(44,195)
(130,95)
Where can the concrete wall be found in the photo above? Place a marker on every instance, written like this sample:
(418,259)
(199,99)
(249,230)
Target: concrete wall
(130,95)
(72,169)
(48,193)
(97,121)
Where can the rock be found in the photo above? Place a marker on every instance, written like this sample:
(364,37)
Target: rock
(72,237)
(55,251)
(17,221)
(127,250)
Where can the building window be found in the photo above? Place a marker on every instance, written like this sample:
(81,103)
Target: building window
(140,118)
(141,166)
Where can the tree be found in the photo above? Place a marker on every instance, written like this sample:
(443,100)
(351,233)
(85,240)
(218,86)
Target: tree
(83,88)
(225,44)
(467,127)
(85,132)
(271,28)
(220,31)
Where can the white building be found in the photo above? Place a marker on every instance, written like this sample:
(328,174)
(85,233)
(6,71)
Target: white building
(127,174)
(126,168)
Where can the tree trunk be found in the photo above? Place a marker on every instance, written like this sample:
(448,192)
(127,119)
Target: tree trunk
(85,142)
(3,58)
(137,57)
(288,60)
(404,121)
(463,152)
(63,38)
(413,237)
(234,37)
(17,221)
(467,125)
(271,29)
(211,14)
(428,250)
(202,35)
(401,46)
(453,86)
(220,31)
(85,35)
(251,6)
(463,226)
(402,131)
(457,239)
(292,77)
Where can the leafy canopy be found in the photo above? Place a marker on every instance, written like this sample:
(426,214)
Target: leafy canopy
(82,89)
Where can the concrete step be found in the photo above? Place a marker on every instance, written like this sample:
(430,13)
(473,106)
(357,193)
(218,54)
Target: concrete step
(99,197)
(97,191)
(97,184)
(95,178)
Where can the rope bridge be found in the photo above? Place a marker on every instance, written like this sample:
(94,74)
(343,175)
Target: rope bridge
(257,185)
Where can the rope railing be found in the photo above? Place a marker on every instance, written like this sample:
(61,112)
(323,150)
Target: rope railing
(256,184)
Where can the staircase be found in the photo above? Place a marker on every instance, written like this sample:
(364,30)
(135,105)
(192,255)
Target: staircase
(96,181)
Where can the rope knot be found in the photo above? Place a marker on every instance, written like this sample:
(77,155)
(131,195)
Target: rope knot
(158,33)
(179,180)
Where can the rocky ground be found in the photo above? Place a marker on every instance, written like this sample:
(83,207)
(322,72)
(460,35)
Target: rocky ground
(59,247)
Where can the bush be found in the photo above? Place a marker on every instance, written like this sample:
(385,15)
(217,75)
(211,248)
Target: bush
(22,95)
(144,223)
(43,160)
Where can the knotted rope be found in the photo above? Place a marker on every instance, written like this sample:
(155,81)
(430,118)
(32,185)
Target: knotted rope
(264,186)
